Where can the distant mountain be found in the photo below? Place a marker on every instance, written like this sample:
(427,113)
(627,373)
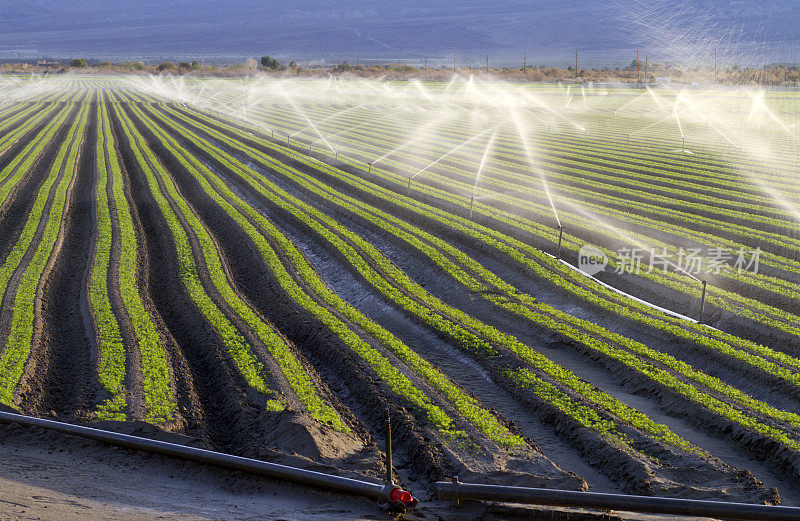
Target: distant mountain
(548,30)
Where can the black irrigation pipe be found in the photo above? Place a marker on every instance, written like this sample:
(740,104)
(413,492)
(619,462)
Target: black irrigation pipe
(391,493)
(384,492)
(599,501)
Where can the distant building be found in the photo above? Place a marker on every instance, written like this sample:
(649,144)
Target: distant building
(662,79)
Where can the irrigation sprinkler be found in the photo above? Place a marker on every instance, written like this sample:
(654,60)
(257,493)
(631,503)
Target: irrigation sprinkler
(471,203)
(703,301)
(409,183)
(369,167)
(560,236)
(389,476)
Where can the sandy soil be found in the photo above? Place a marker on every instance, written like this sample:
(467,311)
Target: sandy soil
(50,476)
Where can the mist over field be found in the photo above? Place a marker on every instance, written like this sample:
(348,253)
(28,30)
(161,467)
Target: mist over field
(548,30)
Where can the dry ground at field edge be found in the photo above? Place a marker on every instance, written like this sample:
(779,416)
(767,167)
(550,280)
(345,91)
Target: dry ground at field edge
(49,476)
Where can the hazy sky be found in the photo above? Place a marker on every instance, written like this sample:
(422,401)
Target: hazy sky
(548,30)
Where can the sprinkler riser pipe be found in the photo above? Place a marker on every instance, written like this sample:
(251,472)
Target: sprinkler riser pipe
(703,301)
(560,236)
(389,476)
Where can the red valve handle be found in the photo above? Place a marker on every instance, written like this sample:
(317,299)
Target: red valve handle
(398,495)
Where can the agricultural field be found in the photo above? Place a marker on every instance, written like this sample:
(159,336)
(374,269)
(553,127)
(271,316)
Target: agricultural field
(273,266)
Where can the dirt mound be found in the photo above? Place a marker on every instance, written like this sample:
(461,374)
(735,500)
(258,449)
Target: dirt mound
(147,430)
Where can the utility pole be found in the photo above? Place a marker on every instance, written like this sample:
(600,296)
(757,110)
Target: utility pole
(525,60)
(487,63)
(715,65)
(454,63)
(426,64)
(645,68)
(576,64)
(638,78)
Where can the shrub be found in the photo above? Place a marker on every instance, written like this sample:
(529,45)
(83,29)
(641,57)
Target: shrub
(268,62)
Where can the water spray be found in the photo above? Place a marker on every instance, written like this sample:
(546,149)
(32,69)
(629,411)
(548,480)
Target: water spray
(451,151)
(529,156)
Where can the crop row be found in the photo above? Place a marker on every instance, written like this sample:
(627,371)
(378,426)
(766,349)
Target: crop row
(30,255)
(115,225)
(182,222)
